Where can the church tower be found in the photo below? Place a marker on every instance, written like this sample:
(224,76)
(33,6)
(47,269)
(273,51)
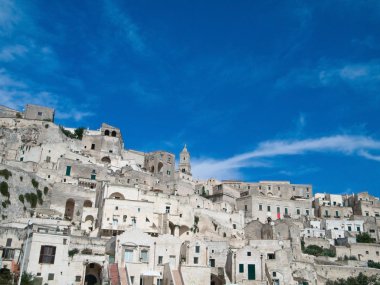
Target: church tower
(184,161)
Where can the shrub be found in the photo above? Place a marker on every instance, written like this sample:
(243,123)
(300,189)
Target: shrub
(318,251)
(35,183)
(373,264)
(4,189)
(364,238)
(86,251)
(4,204)
(361,279)
(18,115)
(46,190)
(73,252)
(78,133)
(5,173)
(39,197)
(32,199)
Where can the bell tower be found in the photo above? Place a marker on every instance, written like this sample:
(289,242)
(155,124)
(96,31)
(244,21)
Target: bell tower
(184,161)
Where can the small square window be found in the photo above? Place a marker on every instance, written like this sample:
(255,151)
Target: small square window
(78,278)
(51,276)
(367,252)
(197,249)
(39,113)
(195,260)
(249,253)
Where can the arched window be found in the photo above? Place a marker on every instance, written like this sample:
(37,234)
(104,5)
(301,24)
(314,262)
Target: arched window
(159,167)
(113,133)
(106,159)
(117,195)
(69,209)
(107,133)
(87,204)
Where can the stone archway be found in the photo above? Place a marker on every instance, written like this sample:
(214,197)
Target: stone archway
(69,209)
(93,274)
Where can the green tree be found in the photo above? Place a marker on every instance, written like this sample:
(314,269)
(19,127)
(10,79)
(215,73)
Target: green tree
(27,279)
(4,189)
(79,133)
(5,276)
(364,238)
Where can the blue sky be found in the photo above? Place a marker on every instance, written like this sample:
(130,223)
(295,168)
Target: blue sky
(259,90)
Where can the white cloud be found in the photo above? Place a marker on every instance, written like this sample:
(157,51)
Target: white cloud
(342,144)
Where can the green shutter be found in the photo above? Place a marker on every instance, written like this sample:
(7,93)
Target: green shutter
(241,268)
(68,170)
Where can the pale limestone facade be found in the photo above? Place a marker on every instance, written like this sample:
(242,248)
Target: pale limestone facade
(112,215)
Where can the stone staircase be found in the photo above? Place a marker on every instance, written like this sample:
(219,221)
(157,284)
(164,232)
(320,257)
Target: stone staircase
(124,277)
(114,274)
(177,277)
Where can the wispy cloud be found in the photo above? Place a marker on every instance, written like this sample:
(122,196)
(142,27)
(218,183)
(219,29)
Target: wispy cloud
(10,53)
(363,75)
(16,94)
(341,144)
(125,26)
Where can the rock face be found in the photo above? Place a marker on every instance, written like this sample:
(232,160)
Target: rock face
(20,185)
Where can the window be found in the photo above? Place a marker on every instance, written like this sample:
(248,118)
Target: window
(260,207)
(212,262)
(298,211)
(167,209)
(246,208)
(234,226)
(68,170)
(286,211)
(8,253)
(159,282)
(144,255)
(336,213)
(241,268)
(377,253)
(47,254)
(271,256)
(366,252)
(307,212)
(274,274)
(349,228)
(9,242)
(39,113)
(268,208)
(64,241)
(128,255)
(197,249)
(168,172)
(78,278)
(132,279)
(51,276)
(358,229)
(48,158)
(249,253)
(195,260)
(160,258)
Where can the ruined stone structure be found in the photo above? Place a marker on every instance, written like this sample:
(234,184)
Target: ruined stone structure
(92,211)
